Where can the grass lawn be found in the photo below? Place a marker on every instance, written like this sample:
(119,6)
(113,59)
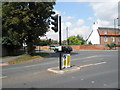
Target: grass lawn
(25,58)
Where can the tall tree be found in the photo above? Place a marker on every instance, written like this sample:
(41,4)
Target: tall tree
(24,22)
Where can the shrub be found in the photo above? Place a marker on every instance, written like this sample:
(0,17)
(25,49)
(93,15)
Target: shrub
(111,45)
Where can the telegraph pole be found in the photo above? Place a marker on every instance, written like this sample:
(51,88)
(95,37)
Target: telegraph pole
(115,31)
(67,35)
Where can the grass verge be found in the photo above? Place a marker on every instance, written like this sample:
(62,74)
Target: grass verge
(25,58)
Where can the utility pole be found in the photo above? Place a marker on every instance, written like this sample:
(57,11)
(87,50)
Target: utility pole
(67,35)
(115,31)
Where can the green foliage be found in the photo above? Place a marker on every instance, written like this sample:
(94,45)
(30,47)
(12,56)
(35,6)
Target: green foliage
(24,22)
(111,45)
(76,40)
(46,42)
(89,43)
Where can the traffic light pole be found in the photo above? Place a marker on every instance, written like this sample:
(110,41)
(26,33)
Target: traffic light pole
(60,54)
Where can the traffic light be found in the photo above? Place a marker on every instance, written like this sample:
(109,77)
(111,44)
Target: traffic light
(55,23)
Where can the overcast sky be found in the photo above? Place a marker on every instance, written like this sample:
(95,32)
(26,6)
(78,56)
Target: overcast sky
(79,16)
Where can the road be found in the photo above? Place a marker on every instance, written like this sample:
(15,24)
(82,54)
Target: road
(35,75)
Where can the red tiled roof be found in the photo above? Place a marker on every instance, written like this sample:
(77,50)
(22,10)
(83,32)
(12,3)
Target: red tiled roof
(108,31)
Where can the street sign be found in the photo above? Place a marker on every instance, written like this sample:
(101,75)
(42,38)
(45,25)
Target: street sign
(66,60)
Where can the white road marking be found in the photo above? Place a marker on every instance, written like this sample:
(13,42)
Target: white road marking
(82,79)
(73,77)
(105,84)
(92,64)
(3,77)
(94,57)
(92,81)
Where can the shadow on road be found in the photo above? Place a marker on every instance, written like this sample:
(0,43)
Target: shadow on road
(53,54)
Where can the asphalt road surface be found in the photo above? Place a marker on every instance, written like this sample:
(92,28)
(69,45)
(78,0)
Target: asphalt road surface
(35,75)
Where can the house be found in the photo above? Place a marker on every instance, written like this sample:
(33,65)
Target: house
(94,37)
(104,35)
(109,35)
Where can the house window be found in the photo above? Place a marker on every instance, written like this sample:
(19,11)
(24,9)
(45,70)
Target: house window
(118,32)
(119,39)
(113,39)
(105,39)
(105,32)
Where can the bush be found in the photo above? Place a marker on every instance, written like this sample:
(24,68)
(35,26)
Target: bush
(111,45)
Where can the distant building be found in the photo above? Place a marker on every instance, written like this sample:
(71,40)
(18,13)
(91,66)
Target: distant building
(109,35)
(104,35)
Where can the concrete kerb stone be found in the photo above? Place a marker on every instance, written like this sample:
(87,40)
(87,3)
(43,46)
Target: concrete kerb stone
(57,71)
(3,64)
(70,69)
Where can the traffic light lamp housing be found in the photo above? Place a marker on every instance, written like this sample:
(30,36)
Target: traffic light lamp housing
(55,23)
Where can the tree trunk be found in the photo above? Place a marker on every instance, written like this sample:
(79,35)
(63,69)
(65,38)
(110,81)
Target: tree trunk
(30,49)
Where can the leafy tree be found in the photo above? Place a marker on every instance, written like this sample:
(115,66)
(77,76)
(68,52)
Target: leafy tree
(81,38)
(76,40)
(43,43)
(24,22)
(54,42)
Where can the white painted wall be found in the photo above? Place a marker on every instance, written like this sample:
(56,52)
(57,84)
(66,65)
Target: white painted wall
(94,38)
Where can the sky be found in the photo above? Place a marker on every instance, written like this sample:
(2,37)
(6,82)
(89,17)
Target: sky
(80,16)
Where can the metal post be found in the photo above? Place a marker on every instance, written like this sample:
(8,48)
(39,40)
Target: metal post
(115,32)
(67,35)
(60,54)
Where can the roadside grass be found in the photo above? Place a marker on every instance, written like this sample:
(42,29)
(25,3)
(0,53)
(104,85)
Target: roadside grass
(26,58)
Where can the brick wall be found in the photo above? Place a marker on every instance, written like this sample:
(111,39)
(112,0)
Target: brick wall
(79,47)
(42,47)
(89,47)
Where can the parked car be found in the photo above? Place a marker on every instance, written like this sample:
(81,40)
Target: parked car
(53,47)
(66,49)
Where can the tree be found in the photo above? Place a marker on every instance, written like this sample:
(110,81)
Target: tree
(76,40)
(81,38)
(24,22)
